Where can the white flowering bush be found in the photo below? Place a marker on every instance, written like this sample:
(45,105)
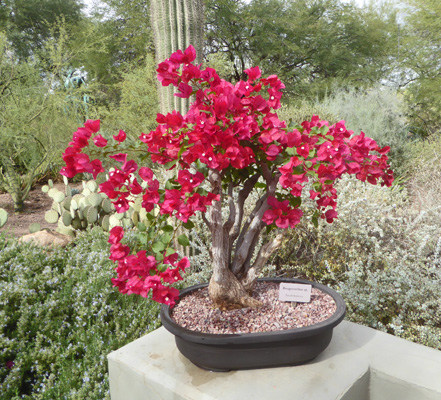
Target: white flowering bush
(60,317)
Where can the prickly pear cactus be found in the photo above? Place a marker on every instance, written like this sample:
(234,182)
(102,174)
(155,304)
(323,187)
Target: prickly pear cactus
(73,210)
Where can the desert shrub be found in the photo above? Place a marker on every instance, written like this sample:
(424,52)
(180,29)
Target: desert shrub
(424,173)
(379,112)
(303,112)
(60,317)
(383,256)
(136,110)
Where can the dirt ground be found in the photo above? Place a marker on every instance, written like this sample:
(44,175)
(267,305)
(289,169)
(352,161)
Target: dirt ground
(36,205)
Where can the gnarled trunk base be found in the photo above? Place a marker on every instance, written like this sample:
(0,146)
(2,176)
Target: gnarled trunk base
(227,293)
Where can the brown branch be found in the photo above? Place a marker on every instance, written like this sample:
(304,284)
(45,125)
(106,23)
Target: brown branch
(253,226)
(219,247)
(265,253)
(243,195)
(231,218)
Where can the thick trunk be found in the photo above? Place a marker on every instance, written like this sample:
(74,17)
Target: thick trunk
(225,291)
(233,281)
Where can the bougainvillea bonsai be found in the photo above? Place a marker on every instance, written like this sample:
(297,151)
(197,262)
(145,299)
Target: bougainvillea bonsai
(231,143)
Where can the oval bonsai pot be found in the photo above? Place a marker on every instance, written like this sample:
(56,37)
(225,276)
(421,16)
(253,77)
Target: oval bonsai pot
(226,352)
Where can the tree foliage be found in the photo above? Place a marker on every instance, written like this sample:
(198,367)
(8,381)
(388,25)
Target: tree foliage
(27,22)
(309,44)
(421,65)
(34,114)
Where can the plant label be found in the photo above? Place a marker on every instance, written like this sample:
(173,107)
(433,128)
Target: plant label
(295,292)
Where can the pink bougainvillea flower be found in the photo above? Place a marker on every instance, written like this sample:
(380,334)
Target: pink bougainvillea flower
(146,174)
(92,126)
(184,90)
(121,136)
(118,251)
(189,181)
(303,150)
(171,275)
(99,141)
(116,234)
(165,295)
(253,73)
(189,55)
(330,215)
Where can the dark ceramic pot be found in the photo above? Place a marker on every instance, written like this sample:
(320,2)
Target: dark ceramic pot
(226,352)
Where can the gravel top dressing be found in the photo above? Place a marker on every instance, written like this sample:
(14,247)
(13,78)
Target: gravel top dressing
(196,312)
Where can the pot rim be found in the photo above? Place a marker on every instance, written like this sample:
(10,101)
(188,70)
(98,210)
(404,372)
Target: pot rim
(256,337)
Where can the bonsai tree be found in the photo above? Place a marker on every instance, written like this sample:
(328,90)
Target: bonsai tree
(230,144)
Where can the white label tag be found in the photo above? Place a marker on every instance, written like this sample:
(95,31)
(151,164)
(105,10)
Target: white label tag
(295,292)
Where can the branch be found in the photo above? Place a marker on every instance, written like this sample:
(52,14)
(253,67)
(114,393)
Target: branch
(243,195)
(265,253)
(231,218)
(219,247)
(204,218)
(250,218)
(252,228)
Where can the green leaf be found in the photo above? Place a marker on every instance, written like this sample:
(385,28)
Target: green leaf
(296,201)
(201,191)
(291,151)
(308,164)
(298,170)
(152,233)
(150,217)
(167,228)
(165,238)
(315,221)
(170,251)
(168,185)
(317,186)
(183,240)
(158,247)
(329,182)
(188,225)
(141,227)
(142,237)
(260,185)
(170,164)
(324,130)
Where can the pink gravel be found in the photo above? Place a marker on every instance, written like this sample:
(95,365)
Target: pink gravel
(196,312)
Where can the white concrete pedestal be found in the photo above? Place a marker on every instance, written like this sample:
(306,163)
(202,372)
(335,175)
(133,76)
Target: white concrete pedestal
(359,364)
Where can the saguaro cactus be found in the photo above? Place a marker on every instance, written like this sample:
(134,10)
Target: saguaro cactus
(176,24)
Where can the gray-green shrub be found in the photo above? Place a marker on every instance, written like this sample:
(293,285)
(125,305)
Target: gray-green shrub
(382,254)
(380,112)
(60,317)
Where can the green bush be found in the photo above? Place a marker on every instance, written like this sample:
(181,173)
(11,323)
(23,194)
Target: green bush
(60,317)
